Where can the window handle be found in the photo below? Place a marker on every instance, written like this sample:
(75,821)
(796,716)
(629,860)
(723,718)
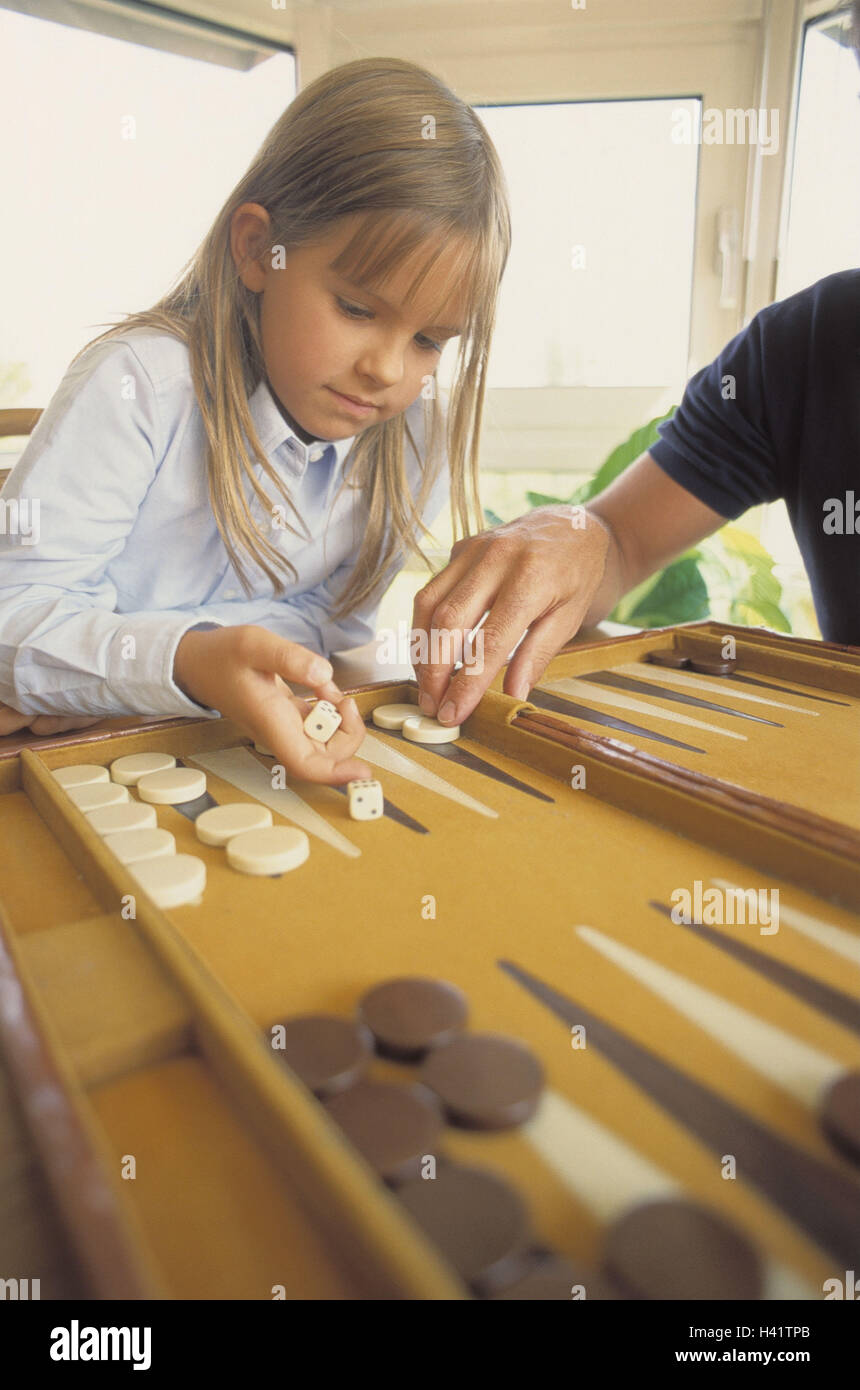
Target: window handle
(727,257)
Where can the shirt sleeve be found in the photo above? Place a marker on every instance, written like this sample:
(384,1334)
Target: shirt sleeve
(719,444)
(81,481)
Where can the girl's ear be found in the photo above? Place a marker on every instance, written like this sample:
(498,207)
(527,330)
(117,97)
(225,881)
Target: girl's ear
(249,232)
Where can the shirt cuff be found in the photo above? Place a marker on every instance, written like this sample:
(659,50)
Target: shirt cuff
(140,665)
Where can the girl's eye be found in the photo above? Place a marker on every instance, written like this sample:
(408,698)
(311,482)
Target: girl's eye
(427,343)
(353,311)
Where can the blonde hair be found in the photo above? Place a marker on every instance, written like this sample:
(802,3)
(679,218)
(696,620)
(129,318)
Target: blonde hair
(353,142)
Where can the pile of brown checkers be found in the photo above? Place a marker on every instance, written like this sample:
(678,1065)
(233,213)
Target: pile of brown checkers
(479,1081)
(705,665)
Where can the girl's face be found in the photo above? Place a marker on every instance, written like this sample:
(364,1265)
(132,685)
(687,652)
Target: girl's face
(338,357)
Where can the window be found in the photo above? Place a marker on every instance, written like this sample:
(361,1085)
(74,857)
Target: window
(115,159)
(597,289)
(823,223)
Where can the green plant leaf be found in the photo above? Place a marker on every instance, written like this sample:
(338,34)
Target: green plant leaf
(621,458)
(492,518)
(542,499)
(679,596)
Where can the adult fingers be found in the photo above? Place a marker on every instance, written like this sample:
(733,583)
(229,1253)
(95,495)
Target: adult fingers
(515,607)
(543,640)
(446,610)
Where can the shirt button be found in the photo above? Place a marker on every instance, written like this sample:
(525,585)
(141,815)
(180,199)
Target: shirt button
(231,593)
(316,452)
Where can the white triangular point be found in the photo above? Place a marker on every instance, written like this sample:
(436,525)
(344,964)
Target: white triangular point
(596,695)
(604,1171)
(609,1177)
(691,681)
(242,770)
(374,750)
(803,1071)
(837,939)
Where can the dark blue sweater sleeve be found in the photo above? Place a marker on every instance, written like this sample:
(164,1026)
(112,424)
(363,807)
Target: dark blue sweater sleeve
(719,444)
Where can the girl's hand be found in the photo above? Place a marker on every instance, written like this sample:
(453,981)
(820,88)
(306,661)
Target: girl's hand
(44,724)
(240,671)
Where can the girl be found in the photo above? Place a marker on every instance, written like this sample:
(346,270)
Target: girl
(228,482)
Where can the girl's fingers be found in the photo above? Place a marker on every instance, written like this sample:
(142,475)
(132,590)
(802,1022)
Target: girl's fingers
(11,721)
(45,724)
(321,768)
(292,662)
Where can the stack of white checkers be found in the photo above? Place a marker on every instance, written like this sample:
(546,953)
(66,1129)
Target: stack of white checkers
(253,844)
(130,828)
(131,832)
(417,727)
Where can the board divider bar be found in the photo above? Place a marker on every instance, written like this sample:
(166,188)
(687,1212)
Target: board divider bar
(384,1251)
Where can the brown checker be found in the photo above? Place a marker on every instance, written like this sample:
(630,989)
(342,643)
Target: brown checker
(675,1249)
(393,1127)
(547,1276)
(328,1054)
(840,1115)
(712,666)
(485,1081)
(477,1220)
(668,656)
(409,1016)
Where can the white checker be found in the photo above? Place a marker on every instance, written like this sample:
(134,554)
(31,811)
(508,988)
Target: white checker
(130,815)
(133,845)
(366,801)
(222,823)
(272,851)
(171,880)
(80,775)
(130,769)
(173,786)
(421,729)
(393,716)
(95,794)
(322,722)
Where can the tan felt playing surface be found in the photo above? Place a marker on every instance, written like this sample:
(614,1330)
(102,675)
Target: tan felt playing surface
(545,902)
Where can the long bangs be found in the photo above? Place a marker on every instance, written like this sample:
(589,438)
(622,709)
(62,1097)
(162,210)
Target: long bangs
(385,241)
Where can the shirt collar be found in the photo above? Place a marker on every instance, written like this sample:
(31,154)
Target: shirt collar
(274,433)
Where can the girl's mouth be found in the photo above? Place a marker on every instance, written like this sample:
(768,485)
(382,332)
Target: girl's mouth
(359,408)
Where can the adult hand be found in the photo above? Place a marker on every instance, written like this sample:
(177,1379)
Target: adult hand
(539,573)
(242,672)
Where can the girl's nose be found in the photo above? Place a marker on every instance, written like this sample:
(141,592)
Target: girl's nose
(383,361)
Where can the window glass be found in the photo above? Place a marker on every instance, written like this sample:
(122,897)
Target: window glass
(115,159)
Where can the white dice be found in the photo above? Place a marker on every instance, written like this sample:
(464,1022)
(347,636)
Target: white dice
(322,722)
(366,801)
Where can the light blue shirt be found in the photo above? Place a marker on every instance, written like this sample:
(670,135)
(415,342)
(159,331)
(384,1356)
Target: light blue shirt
(109,552)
